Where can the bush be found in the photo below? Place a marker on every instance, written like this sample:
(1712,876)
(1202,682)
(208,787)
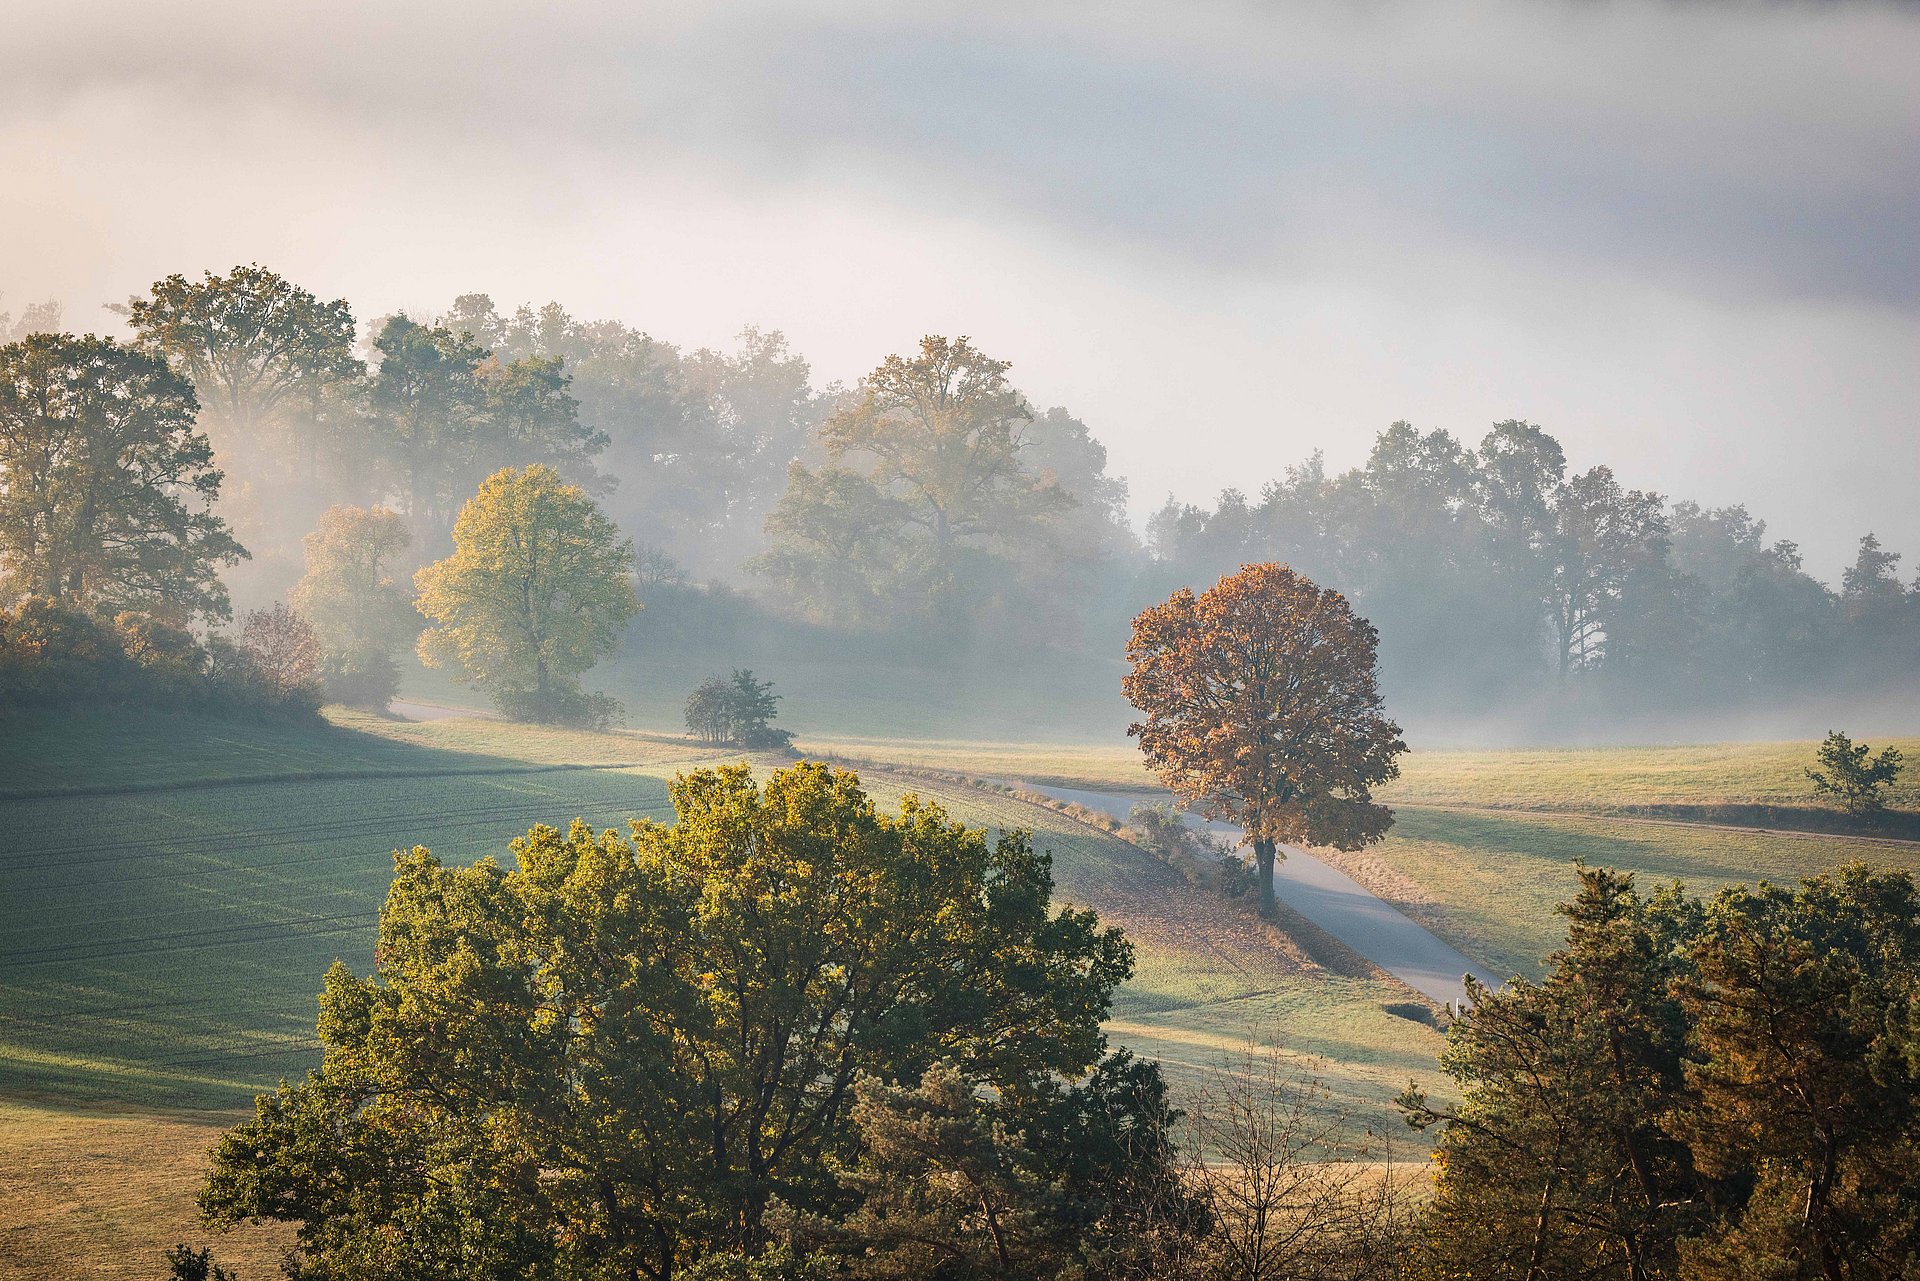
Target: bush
(53,655)
(738,710)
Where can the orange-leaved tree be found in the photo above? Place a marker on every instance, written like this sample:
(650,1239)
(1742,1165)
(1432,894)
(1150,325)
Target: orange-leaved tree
(1263,709)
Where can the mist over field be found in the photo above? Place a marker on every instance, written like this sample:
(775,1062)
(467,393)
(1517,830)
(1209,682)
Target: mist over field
(785,640)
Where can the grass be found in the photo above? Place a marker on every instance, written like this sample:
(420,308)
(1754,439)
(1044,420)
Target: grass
(173,899)
(101,1194)
(1618,780)
(1488,882)
(172,890)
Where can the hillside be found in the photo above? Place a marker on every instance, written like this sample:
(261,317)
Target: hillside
(172,889)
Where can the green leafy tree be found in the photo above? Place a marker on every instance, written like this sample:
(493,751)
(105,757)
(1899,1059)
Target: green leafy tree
(256,347)
(945,1190)
(1606,539)
(447,413)
(106,488)
(612,1059)
(1559,1160)
(931,509)
(1854,777)
(187,1264)
(362,616)
(537,588)
(1263,709)
(836,549)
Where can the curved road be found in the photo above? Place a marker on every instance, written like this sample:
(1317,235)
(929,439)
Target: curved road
(1332,900)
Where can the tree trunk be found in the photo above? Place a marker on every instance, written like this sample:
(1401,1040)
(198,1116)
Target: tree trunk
(1263,857)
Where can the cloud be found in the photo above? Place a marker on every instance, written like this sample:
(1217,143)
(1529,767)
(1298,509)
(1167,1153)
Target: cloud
(1680,234)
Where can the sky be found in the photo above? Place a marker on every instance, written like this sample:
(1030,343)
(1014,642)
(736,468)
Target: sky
(1679,236)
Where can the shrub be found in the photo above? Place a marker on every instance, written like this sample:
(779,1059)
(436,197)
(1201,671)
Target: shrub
(55,655)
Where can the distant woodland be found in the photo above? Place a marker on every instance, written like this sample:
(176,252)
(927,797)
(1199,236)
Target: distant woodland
(930,515)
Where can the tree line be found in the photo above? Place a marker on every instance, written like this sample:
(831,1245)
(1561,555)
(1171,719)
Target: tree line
(931,510)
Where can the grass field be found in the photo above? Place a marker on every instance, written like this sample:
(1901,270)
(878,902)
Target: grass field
(171,891)
(1487,882)
(1760,783)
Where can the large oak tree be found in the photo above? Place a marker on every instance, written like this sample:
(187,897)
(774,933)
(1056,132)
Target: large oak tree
(610,1060)
(1263,709)
(106,488)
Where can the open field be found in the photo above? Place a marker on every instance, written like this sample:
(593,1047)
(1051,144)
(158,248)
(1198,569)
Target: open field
(101,1194)
(1707,781)
(173,889)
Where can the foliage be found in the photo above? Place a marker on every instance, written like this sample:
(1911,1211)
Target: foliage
(738,709)
(1560,1152)
(1853,777)
(448,413)
(284,653)
(1807,1082)
(1194,854)
(700,440)
(931,511)
(106,490)
(1262,709)
(362,616)
(53,655)
(1708,1090)
(614,1057)
(537,588)
(952,1182)
(187,1264)
(255,346)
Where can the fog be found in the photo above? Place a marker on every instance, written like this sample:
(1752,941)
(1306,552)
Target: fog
(1228,238)
(1676,233)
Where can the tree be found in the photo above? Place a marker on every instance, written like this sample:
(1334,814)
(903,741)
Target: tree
(931,512)
(187,1264)
(285,653)
(537,588)
(35,318)
(361,615)
(754,707)
(837,552)
(106,489)
(736,710)
(1262,708)
(1853,777)
(709,712)
(1807,1086)
(1559,1160)
(1604,538)
(944,1189)
(945,430)
(448,413)
(612,1059)
(256,347)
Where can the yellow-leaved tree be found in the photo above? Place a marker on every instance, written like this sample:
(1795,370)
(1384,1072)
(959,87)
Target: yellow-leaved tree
(538,587)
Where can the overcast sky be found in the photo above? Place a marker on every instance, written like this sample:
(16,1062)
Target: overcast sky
(1682,237)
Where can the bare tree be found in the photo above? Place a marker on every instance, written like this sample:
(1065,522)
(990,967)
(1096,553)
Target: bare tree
(1295,1191)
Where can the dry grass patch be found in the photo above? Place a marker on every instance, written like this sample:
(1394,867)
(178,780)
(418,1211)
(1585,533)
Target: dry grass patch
(102,1195)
